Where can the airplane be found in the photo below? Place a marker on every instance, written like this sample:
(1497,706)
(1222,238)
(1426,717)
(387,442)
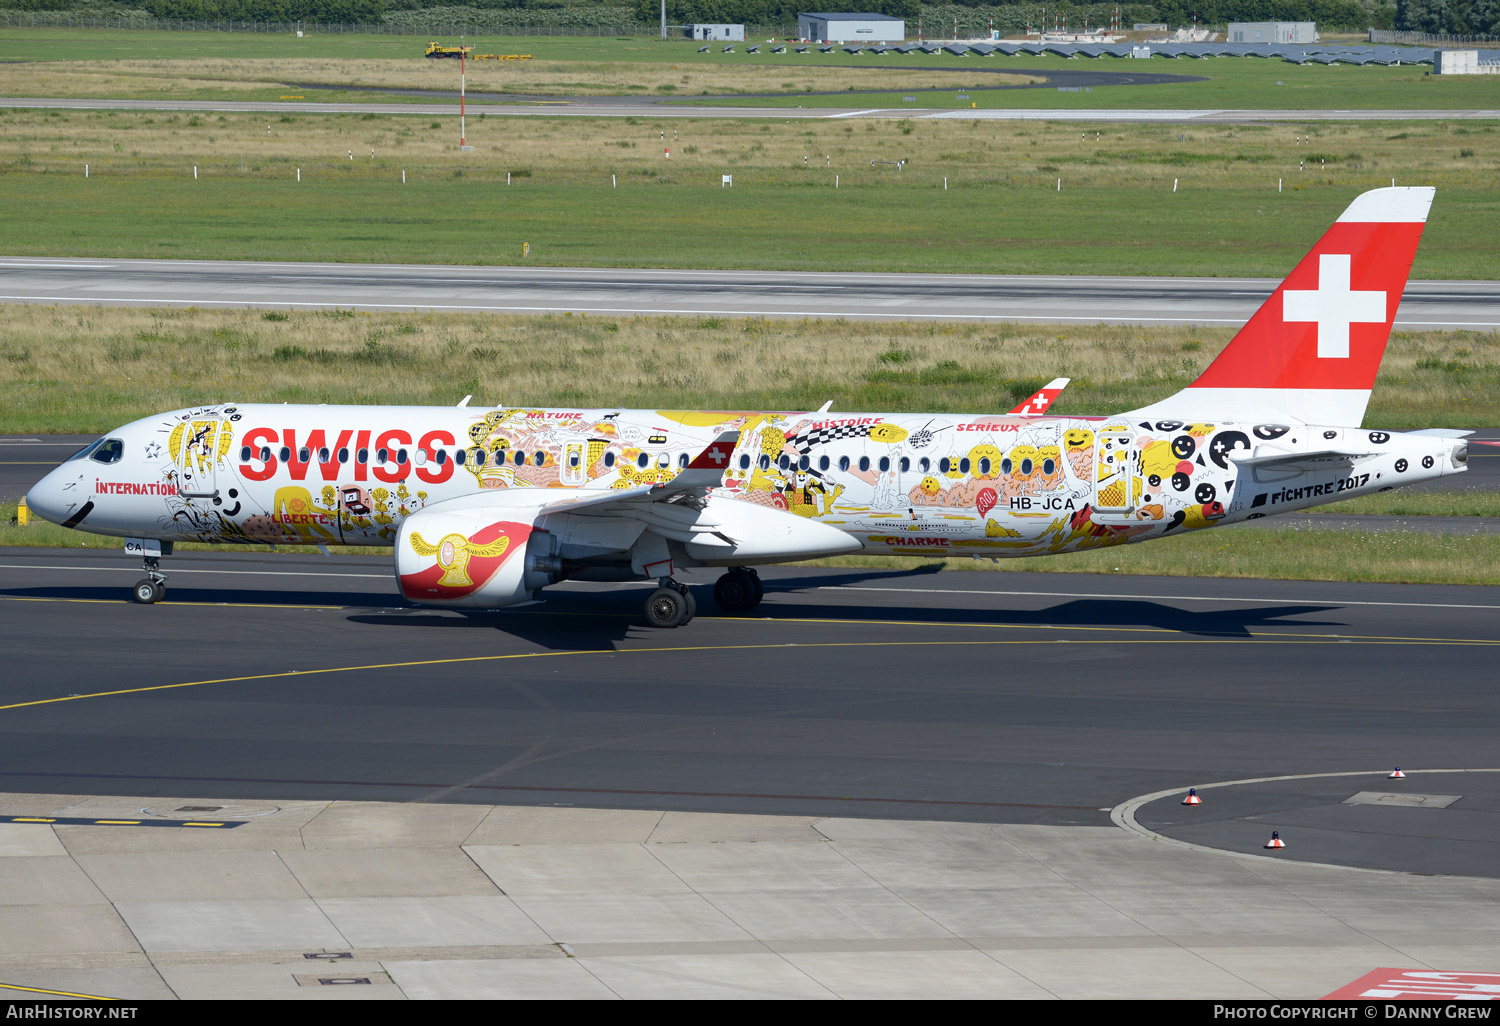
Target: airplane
(484,508)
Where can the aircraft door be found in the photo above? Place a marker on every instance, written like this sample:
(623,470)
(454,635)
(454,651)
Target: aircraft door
(197,446)
(574,470)
(1117,472)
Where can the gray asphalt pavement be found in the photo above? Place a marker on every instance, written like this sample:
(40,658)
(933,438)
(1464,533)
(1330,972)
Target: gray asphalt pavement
(1052,299)
(1005,698)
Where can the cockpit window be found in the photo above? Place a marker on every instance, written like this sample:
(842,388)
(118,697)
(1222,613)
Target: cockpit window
(86,450)
(109,451)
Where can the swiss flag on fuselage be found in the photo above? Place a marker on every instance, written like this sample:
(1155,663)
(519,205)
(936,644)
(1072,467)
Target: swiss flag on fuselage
(1326,325)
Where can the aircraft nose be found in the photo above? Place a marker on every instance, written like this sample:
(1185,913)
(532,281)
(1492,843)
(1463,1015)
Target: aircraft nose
(47,499)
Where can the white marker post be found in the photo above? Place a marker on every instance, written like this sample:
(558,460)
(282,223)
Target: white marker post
(1174,185)
(299,174)
(85,170)
(612,184)
(403,176)
(1059,185)
(195,172)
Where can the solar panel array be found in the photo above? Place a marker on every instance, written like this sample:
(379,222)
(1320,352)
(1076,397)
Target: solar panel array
(1295,53)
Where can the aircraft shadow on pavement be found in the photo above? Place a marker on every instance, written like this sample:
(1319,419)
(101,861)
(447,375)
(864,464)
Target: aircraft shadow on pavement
(595,620)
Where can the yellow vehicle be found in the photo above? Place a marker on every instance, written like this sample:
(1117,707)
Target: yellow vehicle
(434,50)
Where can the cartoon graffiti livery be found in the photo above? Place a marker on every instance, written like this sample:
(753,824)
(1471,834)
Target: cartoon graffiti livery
(485,508)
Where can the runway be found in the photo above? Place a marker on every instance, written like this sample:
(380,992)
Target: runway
(649,109)
(1042,298)
(995,698)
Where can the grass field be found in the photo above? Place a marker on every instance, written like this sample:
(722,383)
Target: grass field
(974,196)
(594,65)
(87,369)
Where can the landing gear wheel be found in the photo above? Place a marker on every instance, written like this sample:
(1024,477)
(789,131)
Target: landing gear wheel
(692,605)
(738,591)
(668,607)
(148,591)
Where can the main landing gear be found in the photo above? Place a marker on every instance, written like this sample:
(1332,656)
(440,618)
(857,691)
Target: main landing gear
(672,605)
(739,591)
(152,587)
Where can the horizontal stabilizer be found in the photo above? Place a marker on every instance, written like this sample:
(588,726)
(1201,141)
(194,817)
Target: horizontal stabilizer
(1319,460)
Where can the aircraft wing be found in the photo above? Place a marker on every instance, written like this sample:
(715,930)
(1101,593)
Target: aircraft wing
(1041,399)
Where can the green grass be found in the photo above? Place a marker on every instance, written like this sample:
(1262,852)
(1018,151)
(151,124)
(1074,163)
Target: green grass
(1000,224)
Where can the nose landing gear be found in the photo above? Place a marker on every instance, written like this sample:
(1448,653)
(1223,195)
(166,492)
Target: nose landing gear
(152,587)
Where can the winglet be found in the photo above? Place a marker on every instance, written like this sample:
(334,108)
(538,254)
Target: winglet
(464,401)
(716,456)
(1043,398)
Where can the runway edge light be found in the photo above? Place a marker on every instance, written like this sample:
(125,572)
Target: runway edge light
(1275,841)
(1192,797)
(1396,774)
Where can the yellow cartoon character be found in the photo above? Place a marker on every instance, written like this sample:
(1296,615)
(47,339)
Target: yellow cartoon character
(982,470)
(1079,446)
(453,554)
(953,463)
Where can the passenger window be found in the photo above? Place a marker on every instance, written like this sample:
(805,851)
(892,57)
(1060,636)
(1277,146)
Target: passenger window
(924,465)
(963,465)
(765,462)
(1049,466)
(984,464)
(245,454)
(480,457)
(286,454)
(905,464)
(265,454)
(401,457)
(804,463)
(440,457)
(1006,465)
(344,455)
(519,458)
(682,460)
(324,456)
(642,460)
(538,458)
(885,464)
(382,455)
(744,461)
(609,459)
(785,463)
(304,455)
(363,456)
(460,457)
(843,463)
(864,463)
(943,465)
(1026,468)
(822,462)
(573,459)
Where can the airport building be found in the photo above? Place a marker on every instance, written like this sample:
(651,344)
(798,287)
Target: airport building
(728,33)
(1272,32)
(851,28)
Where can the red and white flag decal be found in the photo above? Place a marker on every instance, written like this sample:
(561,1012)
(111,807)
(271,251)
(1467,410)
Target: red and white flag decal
(1044,397)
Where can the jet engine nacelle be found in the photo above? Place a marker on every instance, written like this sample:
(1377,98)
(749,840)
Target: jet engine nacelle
(469,553)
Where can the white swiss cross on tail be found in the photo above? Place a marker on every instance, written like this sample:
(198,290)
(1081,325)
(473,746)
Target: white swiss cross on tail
(1333,306)
(1311,352)
(716,456)
(1037,404)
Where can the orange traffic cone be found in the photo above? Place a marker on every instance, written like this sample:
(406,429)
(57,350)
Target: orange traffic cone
(1396,774)
(1275,841)
(1192,797)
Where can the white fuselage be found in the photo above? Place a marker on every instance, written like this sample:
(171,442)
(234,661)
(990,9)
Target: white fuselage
(906,484)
